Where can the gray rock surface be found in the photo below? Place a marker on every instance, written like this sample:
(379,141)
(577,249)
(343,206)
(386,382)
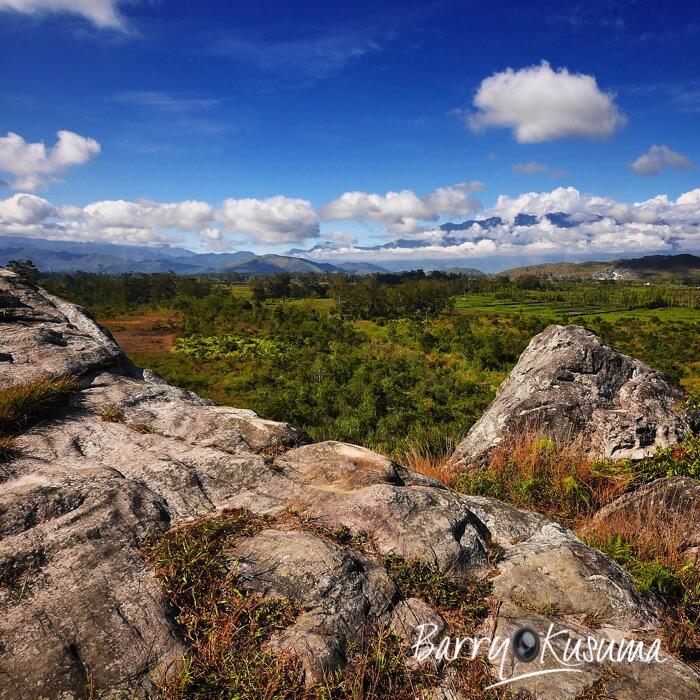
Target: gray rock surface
(80,609)
(571,387)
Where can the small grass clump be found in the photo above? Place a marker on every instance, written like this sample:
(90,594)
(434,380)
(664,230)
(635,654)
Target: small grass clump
(464,603)
(111,414)
(143,428)
(9,449)
(22,404)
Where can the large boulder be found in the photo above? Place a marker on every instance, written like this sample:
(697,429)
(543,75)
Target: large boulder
(570,387)
(128,457)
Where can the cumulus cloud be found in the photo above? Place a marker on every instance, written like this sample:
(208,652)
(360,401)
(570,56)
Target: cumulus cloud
(33,165)
(189,215)
(541,104)
(659,158)
(274,220)
(532,167)
(404,212)
(102,13)
(563,222)
(214,240)
(25,209)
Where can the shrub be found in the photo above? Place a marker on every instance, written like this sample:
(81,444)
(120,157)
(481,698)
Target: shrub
(682,460)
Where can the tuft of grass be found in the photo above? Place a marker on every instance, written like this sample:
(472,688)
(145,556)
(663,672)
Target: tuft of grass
(24,403)
(143,428)
(532,472)
(376,669)
(464,603)
(225,628)
(9,449)
(421,458)
(111,414)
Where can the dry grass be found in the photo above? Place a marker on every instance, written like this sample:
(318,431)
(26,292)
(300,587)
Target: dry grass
(532,472)
(438,467)
(227,628)
(111,414)
(653,553)
(143,428)
(9,449)
(24,403)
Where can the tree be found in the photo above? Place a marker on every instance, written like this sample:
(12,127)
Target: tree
(26,269)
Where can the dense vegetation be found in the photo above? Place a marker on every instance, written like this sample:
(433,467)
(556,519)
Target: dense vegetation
(397,362)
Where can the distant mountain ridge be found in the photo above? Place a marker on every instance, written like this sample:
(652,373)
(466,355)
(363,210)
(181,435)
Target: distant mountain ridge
(646,267)
(70,256)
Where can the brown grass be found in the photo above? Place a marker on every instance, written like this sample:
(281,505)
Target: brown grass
(440,467)
(532,472)
(9,449)
(24,403)
(143,428)
(227,628)
(111,414)
(653,553)
(154,331)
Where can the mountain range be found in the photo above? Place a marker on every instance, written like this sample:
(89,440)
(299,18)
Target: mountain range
(69,256)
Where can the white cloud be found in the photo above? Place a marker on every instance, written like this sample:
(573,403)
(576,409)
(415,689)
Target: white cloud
(597,226)
(25,209)
(189,215)
(214,240)
(102,13)
(540,104)
(532,167)
(404,212)
(32,165)
(658,158)
(273,220)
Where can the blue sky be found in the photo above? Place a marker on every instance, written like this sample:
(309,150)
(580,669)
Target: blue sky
(303,102)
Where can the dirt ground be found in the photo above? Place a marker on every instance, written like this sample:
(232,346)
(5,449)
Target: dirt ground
(151,332)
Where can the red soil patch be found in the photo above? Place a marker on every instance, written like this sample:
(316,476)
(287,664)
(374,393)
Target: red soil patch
(150,332)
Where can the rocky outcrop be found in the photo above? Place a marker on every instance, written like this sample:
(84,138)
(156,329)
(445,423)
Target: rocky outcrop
(572,388)
(128,456)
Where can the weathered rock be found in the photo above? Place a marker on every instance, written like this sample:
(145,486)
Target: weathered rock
(669,507)
(571,387)
(129,456)
(546,576)
(44,335)
(341,593)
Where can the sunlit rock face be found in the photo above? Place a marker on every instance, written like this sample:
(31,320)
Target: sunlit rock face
(568,386)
